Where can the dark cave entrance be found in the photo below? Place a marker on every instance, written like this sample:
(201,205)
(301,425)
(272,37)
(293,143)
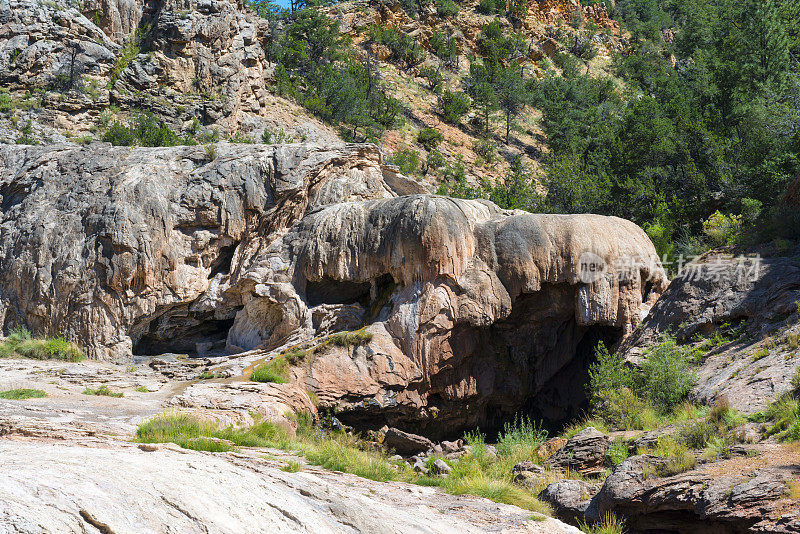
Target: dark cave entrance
(180,331)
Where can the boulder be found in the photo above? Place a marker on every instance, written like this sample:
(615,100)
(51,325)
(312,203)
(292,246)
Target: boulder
(405,442)
(440,467)
(569,498)
(528,474)
(699,500)
(584,452)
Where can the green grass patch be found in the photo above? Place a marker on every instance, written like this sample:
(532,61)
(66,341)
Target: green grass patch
(21,344)
(784,414)
(142,389)
(275,370)
(22,394)
(608,524)
(618,451)
(102,391)
(349,339)
(293,466)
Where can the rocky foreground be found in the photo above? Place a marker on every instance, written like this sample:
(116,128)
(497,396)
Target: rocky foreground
(68,466)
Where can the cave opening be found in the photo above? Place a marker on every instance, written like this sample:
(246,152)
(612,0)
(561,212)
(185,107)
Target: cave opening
(222,263)
(181,331)
(372,295)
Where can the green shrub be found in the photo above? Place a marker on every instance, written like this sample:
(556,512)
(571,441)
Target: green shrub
(434,77)
(722,229)
(429,138)
(665,377)
(275,370)
(490,7)
(435,161)
(446,8)
(454,106)
(407,160)
(608,372)
(145,130)
(618,451)
(6,102)
(102,391)
(129,51)
(22,394)
(621,408)
(582,46)
(404,48)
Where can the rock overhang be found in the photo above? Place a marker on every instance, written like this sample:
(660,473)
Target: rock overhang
(267,246)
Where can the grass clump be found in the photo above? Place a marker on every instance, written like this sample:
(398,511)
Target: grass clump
(618,451)
(349,339)
(102,391)
(784,414)
(476,473)
(142,389)
(679,458)
(22,394)
(293,466)
(193,433)
(275,370)
(21,344)
(520,436)
(608,524)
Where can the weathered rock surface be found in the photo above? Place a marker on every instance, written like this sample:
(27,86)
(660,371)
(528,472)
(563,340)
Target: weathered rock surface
(715,498)
(760,296)
(569,498)
(202,65)
(119,487)
(128,249)
(137,250)
(584,452)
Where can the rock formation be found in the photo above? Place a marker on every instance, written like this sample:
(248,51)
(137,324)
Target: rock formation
(472,312)
(200,65)
(759,297)
(698,501)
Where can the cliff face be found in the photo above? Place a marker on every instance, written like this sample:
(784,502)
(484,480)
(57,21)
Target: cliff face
(111,246)
(145,251)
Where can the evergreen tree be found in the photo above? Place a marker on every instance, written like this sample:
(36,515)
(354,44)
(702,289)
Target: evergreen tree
(513,92)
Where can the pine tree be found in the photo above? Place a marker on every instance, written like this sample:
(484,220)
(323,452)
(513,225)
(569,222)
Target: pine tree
(790,18)
(764,46)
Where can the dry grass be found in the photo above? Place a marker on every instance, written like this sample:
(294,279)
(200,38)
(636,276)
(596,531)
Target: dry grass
(102,391)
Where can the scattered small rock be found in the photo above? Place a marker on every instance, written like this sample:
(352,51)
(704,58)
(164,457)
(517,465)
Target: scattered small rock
(419,467)
(440,467)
